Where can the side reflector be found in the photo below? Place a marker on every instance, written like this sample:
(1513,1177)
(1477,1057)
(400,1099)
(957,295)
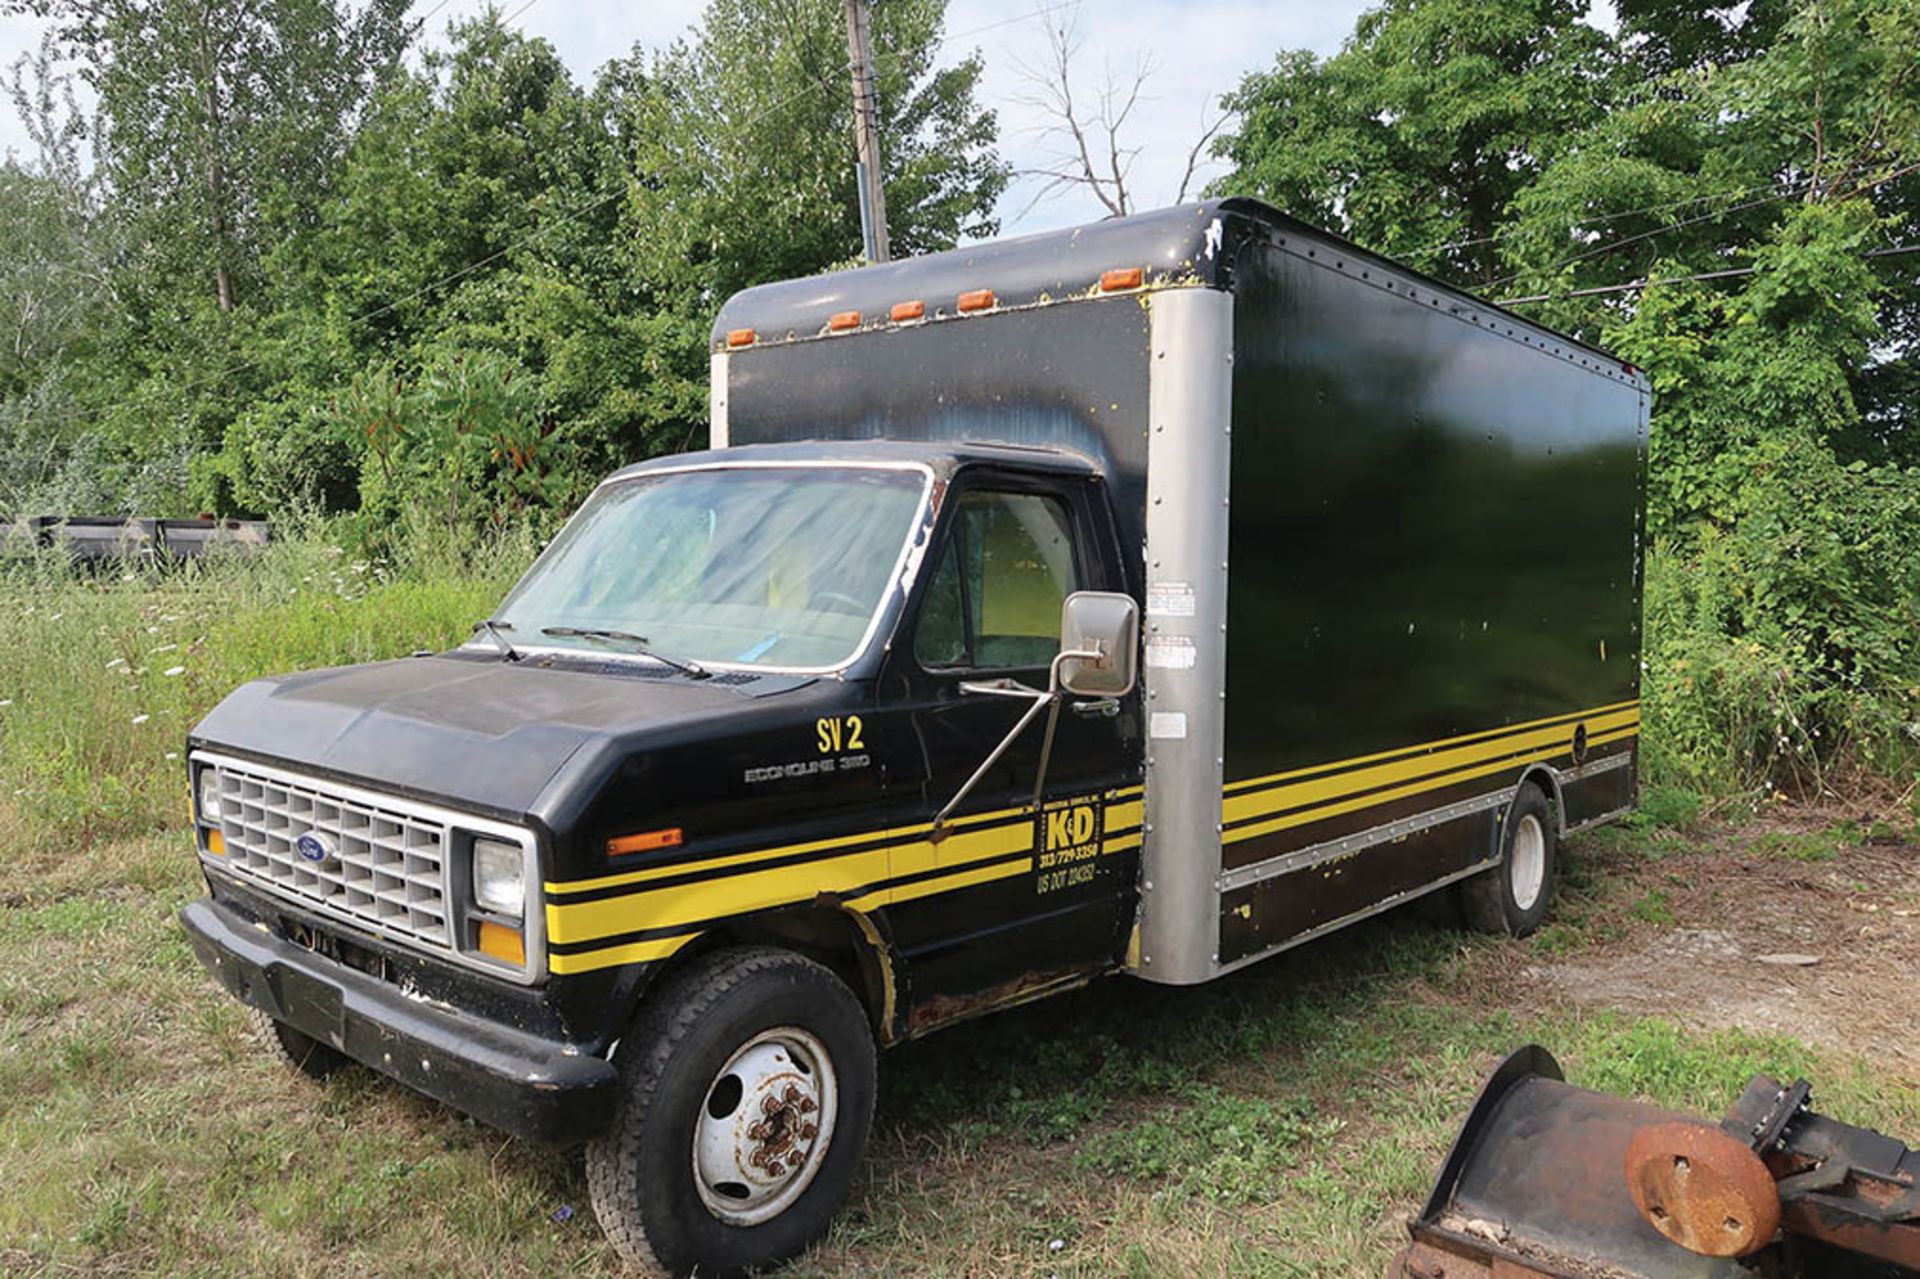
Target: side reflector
(841,321)
(740,337)
(977,300)
(502,943)
(1128,277)
(904,311)
(645,842)
(216,843)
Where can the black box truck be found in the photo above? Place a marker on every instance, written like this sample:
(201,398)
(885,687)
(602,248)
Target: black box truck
(1147,598)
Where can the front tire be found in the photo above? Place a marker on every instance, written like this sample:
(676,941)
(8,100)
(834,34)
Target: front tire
(1513,896)
(297,1050)
(748,1083)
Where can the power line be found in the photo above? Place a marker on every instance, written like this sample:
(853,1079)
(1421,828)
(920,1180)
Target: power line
(1898,250)
(1789,189)
(1686,222)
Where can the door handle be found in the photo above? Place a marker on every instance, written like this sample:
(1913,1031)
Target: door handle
(1105,707)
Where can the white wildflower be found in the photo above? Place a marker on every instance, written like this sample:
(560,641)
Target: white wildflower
(174,670)
(141,719)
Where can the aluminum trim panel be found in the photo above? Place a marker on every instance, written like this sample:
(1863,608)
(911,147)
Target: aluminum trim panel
(1185,633)
(1305,858)
(717,400)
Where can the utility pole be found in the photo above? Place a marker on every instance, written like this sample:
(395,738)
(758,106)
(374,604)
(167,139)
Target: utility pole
(873,199)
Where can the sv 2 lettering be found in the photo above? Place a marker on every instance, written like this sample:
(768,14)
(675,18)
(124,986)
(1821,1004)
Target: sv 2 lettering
(836,733)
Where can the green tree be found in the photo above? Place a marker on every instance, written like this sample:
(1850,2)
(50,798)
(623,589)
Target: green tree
(222,123)
(1419,133)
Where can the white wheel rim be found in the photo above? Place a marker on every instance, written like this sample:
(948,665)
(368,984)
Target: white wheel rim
(764,1126)
(1527,862)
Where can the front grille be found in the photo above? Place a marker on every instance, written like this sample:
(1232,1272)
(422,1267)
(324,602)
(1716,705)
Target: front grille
(383,866)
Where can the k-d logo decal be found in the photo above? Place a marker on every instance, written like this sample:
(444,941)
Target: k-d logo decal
(1068,841)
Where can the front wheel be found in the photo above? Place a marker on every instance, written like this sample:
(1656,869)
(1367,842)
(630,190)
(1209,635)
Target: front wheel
(1512,897)
(748,1082)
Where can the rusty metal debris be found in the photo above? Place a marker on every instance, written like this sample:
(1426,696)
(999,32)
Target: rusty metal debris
(1554,1181)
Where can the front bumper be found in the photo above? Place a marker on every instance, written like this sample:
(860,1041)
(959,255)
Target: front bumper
(525,1084)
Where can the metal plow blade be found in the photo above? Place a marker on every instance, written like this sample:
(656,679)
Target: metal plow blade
(1550,1180)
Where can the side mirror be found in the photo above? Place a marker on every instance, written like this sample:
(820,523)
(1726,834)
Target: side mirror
(1099,643)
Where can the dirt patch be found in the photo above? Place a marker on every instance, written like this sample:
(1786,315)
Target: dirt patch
(1746,937)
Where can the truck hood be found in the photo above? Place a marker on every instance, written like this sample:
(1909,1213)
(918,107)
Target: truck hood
(480,734)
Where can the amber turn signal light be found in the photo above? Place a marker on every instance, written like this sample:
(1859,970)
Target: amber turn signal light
(977,300)
(841,321)
(904,311)
(216,843)
(1126,277)
(645,842)
(501,942)
(740,337)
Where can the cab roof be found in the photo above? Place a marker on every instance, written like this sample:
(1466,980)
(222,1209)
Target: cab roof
(943,458)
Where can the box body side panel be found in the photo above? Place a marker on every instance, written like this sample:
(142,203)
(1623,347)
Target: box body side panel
(1435,587)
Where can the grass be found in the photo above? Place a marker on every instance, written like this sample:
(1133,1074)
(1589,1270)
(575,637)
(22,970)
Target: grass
(1281,1122)
(103,674)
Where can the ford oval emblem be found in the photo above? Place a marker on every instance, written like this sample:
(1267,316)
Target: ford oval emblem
(314,847)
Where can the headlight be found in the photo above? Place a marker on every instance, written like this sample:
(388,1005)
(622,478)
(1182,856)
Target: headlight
(209,795)
(499,877)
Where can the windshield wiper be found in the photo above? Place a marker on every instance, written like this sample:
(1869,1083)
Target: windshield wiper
(493,629)
(638,643)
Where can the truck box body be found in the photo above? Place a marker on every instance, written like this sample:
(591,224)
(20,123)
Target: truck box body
(1386,537)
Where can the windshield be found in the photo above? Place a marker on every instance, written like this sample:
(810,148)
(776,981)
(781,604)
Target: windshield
(770,566)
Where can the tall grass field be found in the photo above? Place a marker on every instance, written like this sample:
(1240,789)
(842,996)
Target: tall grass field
(104,672)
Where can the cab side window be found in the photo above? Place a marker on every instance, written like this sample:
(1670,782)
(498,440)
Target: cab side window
(994,599)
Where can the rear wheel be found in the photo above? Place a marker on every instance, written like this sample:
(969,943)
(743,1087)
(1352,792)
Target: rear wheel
(748,1084)
(1513,896)
(299,1050)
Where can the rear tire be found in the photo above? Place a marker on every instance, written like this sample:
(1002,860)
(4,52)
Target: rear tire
(1514,895)
(298,1050)
(748,1083)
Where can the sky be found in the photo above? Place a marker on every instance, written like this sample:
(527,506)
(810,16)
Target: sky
(1199,50)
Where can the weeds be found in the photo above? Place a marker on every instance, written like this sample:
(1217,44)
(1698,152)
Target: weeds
(102,675)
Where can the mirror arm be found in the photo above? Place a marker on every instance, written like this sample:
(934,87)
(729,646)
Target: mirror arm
(1008,688)
(1040,702)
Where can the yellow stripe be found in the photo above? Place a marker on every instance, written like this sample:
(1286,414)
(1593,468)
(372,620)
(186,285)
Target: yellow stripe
(966,879)
(1570,718)
(1438,764)
(1386,797)
(767,854)
(729,895)
(639,952)
(1237,807)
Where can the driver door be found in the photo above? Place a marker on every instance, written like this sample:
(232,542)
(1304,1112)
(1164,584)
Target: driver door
(1017,896)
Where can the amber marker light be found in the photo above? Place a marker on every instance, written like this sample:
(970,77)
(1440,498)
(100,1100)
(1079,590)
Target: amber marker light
(216,843)
(977,300)
(1126,277)
(503,943)
(740,337)
(904,311)
(645,842)
(841,321)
